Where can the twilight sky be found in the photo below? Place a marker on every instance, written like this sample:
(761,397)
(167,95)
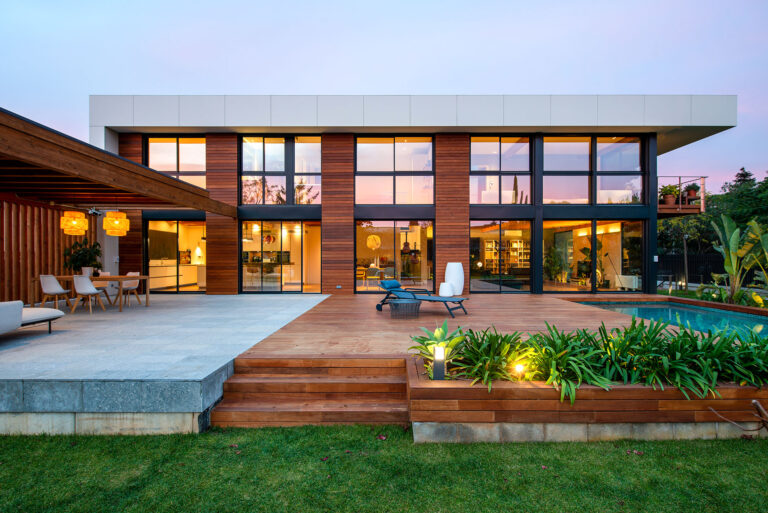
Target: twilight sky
(54,54)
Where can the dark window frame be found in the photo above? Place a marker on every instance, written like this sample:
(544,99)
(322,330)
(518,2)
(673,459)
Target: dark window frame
(501,173)
(394,173)
(289,171)
(531,266)
(178,174)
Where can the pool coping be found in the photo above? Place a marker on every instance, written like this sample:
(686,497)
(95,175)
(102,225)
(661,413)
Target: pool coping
(752,310)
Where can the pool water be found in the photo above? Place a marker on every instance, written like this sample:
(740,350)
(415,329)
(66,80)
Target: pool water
(699,318)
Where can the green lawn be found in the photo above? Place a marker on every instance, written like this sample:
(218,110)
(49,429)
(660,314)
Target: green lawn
(349,469)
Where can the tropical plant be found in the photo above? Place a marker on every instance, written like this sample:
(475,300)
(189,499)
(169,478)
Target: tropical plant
(564,361)
(488,355)
(425,345)
(82,254)
(739,253)
(553,263)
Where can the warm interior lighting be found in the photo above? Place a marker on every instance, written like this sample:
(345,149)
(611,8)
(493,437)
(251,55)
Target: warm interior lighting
(73,223)
(116,223)
(373,242)
(582,233)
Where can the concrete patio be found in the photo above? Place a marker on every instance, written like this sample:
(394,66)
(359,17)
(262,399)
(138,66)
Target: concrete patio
(132,371)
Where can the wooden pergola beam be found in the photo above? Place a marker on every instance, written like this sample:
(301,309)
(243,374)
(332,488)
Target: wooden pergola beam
(49,150)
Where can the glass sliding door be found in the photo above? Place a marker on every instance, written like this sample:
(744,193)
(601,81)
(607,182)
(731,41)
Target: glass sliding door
(280,256)
(567,254)
(401,250)
(176,256)
(500,256)
(619,255)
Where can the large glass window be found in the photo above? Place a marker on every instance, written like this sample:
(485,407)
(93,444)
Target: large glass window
(500,256)
(176,256)
(281,256)
(394,170)
(619,177)
(567,256)
(619,255)
(509,157)
(281,170)
(401,250)
(566,170)
(182,158)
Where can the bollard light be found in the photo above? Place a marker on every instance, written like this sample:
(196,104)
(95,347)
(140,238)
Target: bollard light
(438,365)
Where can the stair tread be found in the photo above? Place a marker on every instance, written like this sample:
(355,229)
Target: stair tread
(387,405)
(315,378)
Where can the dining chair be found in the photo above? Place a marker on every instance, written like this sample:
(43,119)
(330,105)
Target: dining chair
(84,289)
(131,287)
(53,289)
(372,274)
(103,285)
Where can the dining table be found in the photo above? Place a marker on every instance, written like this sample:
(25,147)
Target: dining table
(120,279)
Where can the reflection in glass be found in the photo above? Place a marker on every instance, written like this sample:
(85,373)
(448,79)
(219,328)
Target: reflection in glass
(307,189)
(198,180)
(253,154)
(413,153)
(162,153)
(373,190)
(274,190)
(484,154)
(414,190)
(176,254)
(515,154)
(252,190)
(619,189)
(274,154)
(307,154)
(618,154)
(566,190)
(567,256)
(375,154)
(500,256)
(281,256)
(401,250)
(566,153)
(192,154)
(484,189)
(515,189)
(619,255)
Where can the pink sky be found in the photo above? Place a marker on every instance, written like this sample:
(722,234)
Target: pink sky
(57,53)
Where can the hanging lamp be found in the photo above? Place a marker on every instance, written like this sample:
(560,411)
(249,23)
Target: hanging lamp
(73,222)
(116,223)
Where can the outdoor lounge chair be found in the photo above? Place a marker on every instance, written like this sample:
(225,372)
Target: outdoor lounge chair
(395,291)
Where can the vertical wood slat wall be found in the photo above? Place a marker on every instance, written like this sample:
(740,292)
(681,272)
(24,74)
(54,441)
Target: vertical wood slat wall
(32,244)
(451,204)
(131,245)
(338,214)
(222,233)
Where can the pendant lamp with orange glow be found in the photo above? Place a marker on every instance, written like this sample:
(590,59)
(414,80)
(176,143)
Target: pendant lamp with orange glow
(116,223)
(73,223)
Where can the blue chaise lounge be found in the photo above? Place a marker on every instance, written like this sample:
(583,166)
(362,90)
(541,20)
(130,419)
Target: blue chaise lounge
(396,291)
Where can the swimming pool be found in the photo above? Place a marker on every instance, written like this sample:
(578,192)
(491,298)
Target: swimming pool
(700,318)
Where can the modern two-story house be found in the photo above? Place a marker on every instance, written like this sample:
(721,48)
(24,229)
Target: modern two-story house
(532,194)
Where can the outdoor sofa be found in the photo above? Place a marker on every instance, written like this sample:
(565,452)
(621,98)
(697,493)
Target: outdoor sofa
(13,315)
(396,291)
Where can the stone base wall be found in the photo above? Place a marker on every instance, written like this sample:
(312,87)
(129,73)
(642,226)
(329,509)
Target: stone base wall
(449,432)
(30,423)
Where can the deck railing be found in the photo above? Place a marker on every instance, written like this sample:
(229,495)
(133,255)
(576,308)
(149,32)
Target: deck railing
(684,202)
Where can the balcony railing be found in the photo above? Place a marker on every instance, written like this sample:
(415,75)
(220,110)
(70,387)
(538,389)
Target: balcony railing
(678,196)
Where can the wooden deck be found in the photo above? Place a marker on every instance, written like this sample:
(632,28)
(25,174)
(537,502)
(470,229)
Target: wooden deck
(351,326)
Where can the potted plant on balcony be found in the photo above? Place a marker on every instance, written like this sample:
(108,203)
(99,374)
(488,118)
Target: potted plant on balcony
(668,194)
(81,255)
(692,190)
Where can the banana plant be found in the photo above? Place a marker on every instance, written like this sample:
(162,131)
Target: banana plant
(739,251)
(425,344)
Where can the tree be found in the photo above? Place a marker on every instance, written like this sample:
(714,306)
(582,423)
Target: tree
(679,232)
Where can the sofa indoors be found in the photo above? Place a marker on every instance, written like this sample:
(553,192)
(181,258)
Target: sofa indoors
(13,316)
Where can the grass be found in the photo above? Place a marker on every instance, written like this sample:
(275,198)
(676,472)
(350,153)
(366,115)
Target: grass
(275,470)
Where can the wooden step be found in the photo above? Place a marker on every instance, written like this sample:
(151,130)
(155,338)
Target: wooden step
(321,371)
(242,413)
(309,383)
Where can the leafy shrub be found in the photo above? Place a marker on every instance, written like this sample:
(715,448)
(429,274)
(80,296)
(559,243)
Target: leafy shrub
(488,355)
(564,361)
